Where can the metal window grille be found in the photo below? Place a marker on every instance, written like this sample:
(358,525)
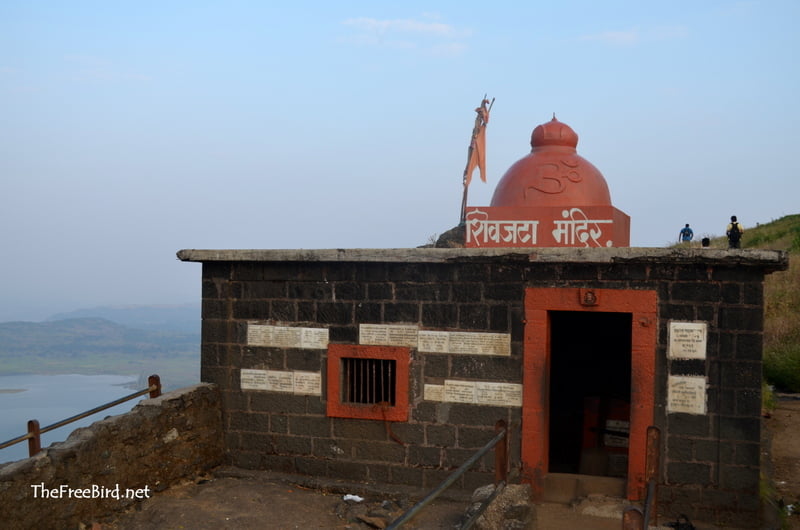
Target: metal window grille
(368,381)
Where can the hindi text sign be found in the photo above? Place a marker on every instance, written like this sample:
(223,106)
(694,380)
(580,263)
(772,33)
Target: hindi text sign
(687,340)
(253,379)
(286,336)
(686,394)
(529,227)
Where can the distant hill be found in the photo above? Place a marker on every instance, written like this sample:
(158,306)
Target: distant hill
(100,346)
(183,317)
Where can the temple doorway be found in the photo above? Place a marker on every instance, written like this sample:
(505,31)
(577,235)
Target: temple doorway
(590,389)
(588,384)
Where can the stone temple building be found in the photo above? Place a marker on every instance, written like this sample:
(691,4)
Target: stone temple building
(394,365)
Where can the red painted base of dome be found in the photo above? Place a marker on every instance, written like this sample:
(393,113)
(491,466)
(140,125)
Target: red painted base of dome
(584,226)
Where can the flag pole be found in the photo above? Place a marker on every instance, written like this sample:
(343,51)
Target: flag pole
(480,124)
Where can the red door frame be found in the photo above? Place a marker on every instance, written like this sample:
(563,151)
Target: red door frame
(536,376)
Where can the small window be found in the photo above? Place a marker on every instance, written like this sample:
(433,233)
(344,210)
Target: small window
(368,382)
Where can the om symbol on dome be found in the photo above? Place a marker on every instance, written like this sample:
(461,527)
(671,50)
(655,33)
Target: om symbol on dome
(552,178)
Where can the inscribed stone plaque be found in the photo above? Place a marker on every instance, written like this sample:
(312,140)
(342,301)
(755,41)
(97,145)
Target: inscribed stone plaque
(434,392)
(459,391)
(480,343)
(686,394)
(253,379)
(314,338)
(388,335)
(498,394)
(284,337)
(287,337)
(259,335)
(279,381)
(434,341)
(308,383)
(687,340)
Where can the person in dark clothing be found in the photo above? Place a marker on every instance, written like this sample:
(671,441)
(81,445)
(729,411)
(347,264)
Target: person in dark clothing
(734,232)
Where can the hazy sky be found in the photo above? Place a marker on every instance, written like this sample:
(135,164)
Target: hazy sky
(132,129)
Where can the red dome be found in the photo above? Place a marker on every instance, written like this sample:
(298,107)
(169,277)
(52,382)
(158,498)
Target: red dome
(553,174)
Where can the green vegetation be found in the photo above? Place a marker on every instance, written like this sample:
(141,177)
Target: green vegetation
(783,234)
(767,397)
(782,303)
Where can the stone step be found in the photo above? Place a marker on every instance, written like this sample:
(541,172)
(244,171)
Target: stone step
(563,488)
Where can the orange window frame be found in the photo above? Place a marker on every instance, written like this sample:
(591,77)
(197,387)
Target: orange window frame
(377,411)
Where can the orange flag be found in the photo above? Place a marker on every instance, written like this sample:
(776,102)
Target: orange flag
(477,146)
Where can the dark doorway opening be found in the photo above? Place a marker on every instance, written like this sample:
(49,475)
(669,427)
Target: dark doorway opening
(590,389)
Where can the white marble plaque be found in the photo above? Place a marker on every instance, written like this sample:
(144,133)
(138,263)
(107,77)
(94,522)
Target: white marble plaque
(480,343)
(687,340)
(686,394)
(297,382)
(498,394)
(252,379)
(259,335)
(473,343)
(375,334)
(279,381)
(459,391)
(308,383)
(475,392)
(314,338)
(434,392)
(434,341)
(388,335)
(286,336)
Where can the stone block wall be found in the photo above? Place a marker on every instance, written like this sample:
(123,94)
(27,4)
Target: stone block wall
(292,433)
(709,462)
(115,462)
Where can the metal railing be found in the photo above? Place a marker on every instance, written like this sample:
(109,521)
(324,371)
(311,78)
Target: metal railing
(633,518)
(500,474)
(34,435)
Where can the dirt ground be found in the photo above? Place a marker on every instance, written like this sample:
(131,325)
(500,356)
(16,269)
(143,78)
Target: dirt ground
(783,427)
(231,498)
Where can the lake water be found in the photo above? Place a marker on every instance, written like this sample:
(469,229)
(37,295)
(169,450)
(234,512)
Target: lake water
(52,398)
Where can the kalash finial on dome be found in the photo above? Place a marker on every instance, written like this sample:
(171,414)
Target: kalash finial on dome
(554,133)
